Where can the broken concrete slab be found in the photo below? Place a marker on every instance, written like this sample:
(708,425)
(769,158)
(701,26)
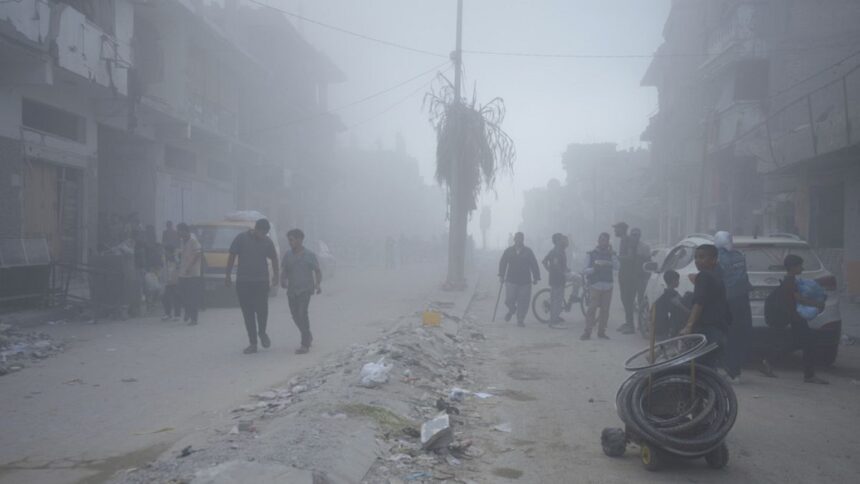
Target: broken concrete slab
(239,472)
(437,432)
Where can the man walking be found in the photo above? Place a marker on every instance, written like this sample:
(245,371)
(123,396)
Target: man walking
(555,264)
(190,266)
(254,249)
(301,276)
(601,262)
(518,270)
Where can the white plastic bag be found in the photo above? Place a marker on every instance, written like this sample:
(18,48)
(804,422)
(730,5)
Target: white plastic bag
(374,374)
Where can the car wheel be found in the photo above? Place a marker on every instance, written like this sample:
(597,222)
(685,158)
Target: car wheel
(719,457)
(826,355)
(614,442)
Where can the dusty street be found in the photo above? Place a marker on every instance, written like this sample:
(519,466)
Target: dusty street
(125,390)
(561,395)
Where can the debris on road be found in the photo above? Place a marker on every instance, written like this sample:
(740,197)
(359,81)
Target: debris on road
(320,418)
(374,374)
(437,432)
(19,349)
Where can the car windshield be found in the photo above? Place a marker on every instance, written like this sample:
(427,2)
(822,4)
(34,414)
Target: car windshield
(679,258)
(218,237)
(769,258)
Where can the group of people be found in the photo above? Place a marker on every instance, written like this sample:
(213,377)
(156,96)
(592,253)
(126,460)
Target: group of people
(181,284)
(718,307)
(298,272)
(519,270)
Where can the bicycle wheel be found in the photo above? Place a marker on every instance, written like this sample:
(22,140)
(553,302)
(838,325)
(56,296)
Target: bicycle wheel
(541,306)
(585,300)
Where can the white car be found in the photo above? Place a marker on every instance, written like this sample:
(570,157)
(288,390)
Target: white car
(764,265)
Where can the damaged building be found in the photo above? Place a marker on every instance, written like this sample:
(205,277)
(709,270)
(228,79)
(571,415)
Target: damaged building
(756,129)
(148,111)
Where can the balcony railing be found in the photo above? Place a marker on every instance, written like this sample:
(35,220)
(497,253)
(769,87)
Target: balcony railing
(82,47)
(819,122)
(31,19)
(734,39)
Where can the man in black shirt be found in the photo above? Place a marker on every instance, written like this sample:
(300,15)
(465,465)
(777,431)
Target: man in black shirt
(710,314)
(518,270)
(254,249)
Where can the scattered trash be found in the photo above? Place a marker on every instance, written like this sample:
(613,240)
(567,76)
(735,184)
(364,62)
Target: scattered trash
(246,426)
(437,432)
(418,475)
(159,431)
(483,396)
(19,348)
(441,404)
(374,374)
(457,394)
(503,427)
(431,318)
(185,452)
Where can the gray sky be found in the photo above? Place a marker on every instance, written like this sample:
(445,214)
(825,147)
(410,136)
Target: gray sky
(550,101)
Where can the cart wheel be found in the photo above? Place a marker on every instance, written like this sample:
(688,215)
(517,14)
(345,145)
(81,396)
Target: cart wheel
(652,457)
(719,457)
(614,442)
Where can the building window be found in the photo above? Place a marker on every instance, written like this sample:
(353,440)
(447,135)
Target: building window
(51,120)
(752,80)
(827,216)
(180,159)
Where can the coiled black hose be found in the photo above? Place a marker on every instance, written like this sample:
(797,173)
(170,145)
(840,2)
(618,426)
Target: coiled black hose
(668,410)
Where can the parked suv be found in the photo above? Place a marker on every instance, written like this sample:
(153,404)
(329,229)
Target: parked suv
(764,264)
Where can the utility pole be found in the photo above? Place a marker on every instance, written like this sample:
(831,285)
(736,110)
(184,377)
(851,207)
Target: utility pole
(458,217)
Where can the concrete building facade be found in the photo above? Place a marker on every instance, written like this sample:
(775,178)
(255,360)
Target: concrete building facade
(151,108)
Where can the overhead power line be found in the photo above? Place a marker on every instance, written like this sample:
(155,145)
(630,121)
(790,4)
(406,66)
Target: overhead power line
(398,103)
(493,53)
(353,103)
(349,32)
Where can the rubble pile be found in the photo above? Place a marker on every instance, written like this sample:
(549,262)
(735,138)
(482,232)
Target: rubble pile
(19,349)
(409,423)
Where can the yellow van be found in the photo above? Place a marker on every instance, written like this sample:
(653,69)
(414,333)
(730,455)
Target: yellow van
(215,239)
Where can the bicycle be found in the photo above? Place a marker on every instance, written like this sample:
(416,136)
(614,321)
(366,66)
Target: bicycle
(579,293)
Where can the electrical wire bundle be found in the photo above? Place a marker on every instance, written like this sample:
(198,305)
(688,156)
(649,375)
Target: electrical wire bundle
(686,409)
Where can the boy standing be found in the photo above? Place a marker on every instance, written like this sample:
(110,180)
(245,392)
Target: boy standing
(170,278)
(190,267)
(670,314)
(710,314)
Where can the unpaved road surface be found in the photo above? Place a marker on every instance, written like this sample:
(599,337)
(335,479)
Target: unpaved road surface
(787,431)
(125,390)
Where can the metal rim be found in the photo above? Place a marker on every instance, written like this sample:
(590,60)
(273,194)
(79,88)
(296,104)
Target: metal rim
(697,343)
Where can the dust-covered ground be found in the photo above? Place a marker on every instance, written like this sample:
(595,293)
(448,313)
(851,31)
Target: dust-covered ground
(524,405)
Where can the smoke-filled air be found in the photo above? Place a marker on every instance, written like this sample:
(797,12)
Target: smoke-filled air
(415,241)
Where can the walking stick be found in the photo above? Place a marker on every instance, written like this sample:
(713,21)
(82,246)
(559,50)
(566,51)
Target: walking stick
(499,297)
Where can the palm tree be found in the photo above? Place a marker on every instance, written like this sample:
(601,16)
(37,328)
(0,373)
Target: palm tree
(471,150)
